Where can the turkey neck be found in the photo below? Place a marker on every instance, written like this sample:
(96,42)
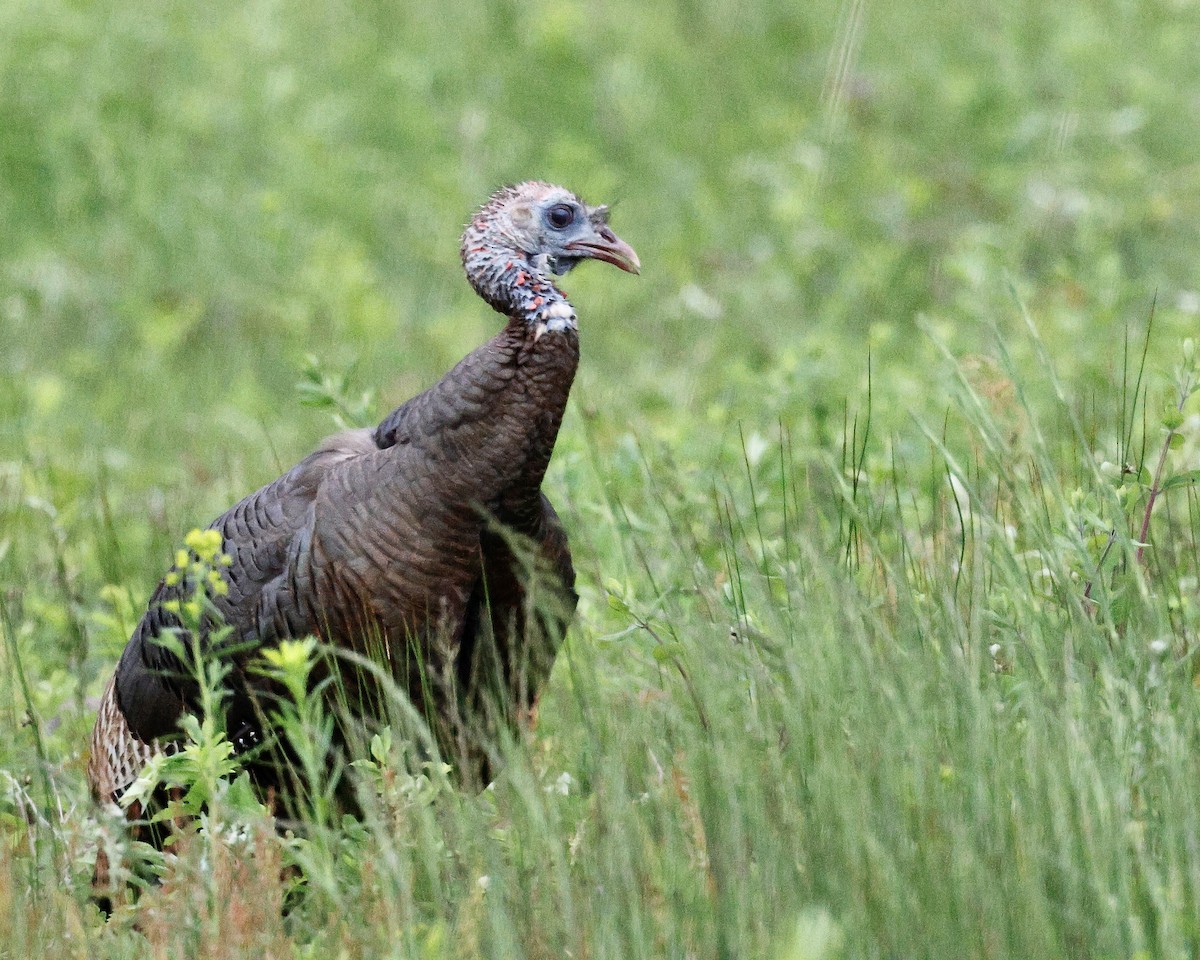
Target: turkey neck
(545,363)
(491,422)
(489,426)
(510,280)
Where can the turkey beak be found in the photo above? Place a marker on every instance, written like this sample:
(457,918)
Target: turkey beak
(610,248)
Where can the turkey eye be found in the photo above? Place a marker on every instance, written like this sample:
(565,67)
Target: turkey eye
(560,216)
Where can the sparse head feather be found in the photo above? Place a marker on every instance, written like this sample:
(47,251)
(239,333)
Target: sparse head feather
(529,231)
(510,216)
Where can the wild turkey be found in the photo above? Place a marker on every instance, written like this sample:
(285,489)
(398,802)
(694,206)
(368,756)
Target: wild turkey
(398,542)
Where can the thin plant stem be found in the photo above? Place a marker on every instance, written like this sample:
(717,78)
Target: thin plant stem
(1156,483)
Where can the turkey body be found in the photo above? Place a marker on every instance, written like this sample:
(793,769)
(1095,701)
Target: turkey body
(424,546)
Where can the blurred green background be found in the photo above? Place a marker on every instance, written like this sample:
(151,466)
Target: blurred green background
(193,198)
(196,197)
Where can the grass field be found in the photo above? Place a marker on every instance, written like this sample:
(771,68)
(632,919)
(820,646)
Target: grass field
(869,660)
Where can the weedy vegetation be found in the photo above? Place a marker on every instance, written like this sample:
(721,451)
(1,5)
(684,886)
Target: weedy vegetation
(881,481)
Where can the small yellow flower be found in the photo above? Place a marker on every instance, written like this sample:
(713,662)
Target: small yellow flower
(204,543)
(291,655)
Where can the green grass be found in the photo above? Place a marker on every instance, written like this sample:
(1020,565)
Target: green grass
(861,409)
